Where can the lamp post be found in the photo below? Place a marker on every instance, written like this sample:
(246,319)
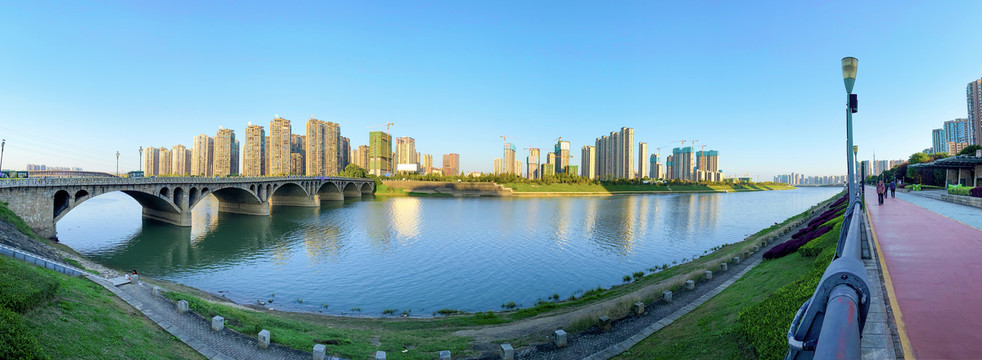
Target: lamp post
(117,164)
(141,159)
(849,65)
(855,164)
(2,145)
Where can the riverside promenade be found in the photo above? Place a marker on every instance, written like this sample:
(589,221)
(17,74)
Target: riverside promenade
(930,251)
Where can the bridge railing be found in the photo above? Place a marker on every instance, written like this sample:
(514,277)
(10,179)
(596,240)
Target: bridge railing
(33,182)
(829,325)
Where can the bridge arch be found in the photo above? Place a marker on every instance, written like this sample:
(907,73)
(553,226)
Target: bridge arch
(351,190)
(164,192)
(62,202)
(330,191)
(179,198)
(366,188)
(80,194)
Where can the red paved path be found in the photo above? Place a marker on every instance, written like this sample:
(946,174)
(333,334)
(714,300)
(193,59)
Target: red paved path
(935,265)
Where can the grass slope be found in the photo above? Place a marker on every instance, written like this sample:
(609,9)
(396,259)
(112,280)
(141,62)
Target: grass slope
(749,319)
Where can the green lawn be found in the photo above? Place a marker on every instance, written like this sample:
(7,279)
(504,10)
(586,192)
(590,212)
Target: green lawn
(74,318)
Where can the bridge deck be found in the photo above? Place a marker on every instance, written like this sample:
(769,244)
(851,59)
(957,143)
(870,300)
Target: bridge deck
(934,267)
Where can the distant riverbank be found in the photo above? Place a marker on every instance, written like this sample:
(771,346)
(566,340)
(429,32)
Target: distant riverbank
(488,189)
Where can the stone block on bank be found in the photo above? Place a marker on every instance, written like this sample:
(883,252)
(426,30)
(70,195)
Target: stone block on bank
(182,306)
(156,290)
(217,323)
(380,355)
(638,308)
(605,323)
(709,275)
(134,279)
(507,352)
(723,267)
(559,338)
(320,351)
(666,295)
(445,355)
(264,339)
(690,284)
(736,259)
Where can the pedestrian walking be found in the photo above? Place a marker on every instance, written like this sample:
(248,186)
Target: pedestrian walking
(880,190)
(893,188)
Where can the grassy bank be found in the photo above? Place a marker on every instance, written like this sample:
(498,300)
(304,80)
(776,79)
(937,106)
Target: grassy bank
(47,315)
(749,319)
(351,337)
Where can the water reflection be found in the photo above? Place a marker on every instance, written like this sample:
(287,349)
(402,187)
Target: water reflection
(423,252)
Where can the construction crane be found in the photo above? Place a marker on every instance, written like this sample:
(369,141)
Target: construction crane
(380,125)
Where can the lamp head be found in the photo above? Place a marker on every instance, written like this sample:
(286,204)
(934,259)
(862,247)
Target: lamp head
(855,149)
(849,65)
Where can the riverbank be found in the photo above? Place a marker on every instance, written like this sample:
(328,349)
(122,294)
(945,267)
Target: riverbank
(423,338)
(478,189)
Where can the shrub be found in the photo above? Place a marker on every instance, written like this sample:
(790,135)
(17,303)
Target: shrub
(17,341)
(766,323)
(959,190)
(976,192)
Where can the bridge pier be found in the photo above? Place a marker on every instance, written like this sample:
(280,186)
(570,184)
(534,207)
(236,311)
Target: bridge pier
(180,219)
(298,201)
(244,208)
(331,196)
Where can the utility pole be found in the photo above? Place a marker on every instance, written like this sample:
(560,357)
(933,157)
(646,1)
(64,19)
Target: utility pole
(117,164)
(2,145)
(141,158)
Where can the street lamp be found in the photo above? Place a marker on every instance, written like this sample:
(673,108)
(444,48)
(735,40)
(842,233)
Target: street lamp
(2,144)
(849,65)
(140,160)
(855,164)
(117,164)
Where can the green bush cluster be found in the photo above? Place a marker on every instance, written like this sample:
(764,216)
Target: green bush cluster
(959,190)
(21,288)
(766,324)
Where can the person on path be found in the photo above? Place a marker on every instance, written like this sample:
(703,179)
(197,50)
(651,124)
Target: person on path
(880,189)
(893,188)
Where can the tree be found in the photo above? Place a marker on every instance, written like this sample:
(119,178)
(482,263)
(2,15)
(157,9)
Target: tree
(918,157)
(354,171)
(970,150)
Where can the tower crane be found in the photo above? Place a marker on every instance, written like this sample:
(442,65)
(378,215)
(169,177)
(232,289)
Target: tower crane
(380,125)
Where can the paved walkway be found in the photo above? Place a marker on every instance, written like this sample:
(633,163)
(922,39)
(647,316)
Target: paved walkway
(932,272)
(193,330)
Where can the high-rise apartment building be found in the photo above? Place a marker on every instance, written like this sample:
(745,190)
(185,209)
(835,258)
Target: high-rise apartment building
(973,94)
(253,156)
(939,141)
(451,164)
(266,157)
(615,155)
(226,148)
(344,151)
(151,161)
(562,156)
(180,160)
(202,155)
(656,167)
(508,160)
(642,160)
(683,164)
(298,146)
(426,163)
(406,155)
(380,153)
(707,166)
(518,168)
(669,166)
(497,166)
(533,164)
(588,162)
(360,156)
(280,132)
(166,161)
(959,130)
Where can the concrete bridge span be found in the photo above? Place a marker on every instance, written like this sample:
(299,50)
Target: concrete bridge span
(42,202)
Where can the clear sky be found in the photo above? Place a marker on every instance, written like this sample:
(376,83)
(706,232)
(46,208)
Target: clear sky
(758,81)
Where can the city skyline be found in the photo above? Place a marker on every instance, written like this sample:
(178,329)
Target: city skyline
(776,95)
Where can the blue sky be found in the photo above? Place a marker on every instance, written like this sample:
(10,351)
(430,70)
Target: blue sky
(758,81)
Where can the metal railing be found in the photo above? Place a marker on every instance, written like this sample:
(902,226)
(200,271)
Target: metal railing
(36,182)
(829,325)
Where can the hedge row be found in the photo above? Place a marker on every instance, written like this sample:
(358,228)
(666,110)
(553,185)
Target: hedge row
(22,287)
(766,324)
(815,229)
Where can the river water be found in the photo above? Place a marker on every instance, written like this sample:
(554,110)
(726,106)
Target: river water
(423,254)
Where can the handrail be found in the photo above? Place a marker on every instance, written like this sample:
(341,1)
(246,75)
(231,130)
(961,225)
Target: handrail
(35,182)
(833,319)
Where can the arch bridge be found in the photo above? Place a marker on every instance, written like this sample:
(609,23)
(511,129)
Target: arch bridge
(42,202)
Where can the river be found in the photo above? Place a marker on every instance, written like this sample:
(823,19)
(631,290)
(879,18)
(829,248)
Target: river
(423,254)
